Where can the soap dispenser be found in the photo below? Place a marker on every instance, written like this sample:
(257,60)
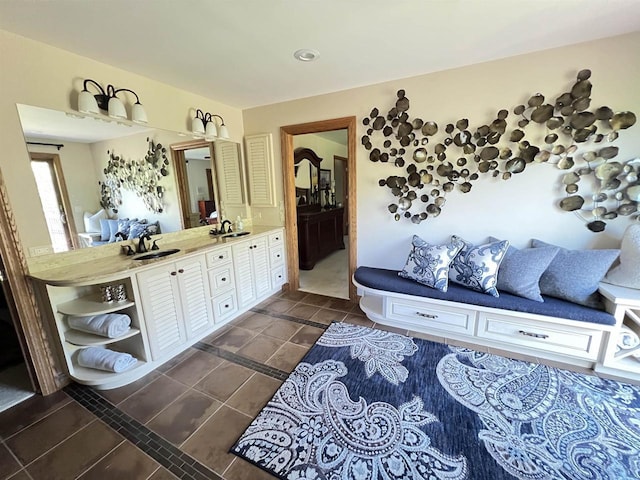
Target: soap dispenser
(239,224)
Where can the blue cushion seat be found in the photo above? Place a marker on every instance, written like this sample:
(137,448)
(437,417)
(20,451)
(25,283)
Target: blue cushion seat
(383,279)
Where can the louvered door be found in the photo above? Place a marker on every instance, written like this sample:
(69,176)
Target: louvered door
(229,173)
(160,299)
(194,293)
(244,273)
(260,263)
(259,152)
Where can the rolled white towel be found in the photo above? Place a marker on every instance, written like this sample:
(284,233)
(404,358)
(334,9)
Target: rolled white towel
(105,359)
(627,339)
(110,325)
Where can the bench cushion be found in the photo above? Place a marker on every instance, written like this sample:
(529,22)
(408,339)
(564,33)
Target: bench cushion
(383,279)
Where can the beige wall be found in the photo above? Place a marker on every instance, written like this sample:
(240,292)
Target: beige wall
(33,73)
(519,209)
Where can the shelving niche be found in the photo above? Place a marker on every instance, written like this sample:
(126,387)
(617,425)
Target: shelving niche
(86,301)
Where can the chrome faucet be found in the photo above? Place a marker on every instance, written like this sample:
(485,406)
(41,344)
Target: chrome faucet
(228,222)
(142,248)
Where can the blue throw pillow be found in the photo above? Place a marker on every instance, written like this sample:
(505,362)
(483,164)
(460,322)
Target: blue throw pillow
(574,275)
(520,270)
(429,264)
(137,229)
(476,267)
(113,229)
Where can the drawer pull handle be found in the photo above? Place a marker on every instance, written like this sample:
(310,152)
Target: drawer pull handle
(226,305)
(277,256)
(534,335)
(174,273)
(220,257)
(426,315)
(224,279)
(181,271)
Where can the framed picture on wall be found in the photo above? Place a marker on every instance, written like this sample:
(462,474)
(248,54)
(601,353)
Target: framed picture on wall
(325,180)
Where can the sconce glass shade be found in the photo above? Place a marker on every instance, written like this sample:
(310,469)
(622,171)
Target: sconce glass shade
(116,108)
(211,130)
(223,132)
(87,103)
(197,127)
(138,113)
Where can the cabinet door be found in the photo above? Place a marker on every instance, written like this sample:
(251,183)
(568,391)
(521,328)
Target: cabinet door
(162,309)
(244,273)
(260,263)
(194,293)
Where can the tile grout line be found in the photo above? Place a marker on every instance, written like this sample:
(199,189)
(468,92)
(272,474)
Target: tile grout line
(242,361)
(291,318)
(149,442)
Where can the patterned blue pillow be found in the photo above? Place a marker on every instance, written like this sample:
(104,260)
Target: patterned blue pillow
(137,229)
(476,267)
(429,264)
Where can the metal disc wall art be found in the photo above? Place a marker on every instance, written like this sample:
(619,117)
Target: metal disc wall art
(576,140)
(140,176)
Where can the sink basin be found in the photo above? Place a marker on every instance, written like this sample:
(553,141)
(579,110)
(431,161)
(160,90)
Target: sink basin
(235,234)
(157,254)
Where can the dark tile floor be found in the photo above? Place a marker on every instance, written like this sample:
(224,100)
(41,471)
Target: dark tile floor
(180,420)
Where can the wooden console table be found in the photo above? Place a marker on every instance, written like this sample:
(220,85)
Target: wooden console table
(319,234)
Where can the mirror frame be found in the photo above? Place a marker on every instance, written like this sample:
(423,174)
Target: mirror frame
(182,181)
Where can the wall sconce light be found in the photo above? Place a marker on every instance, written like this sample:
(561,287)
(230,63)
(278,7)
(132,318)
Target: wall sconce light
(108,101)
(204,124)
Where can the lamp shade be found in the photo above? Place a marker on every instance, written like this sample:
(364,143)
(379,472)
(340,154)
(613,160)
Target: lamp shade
(197,126)
(138,113)
(87,103)
(223,132)
(116,108)
(211,131)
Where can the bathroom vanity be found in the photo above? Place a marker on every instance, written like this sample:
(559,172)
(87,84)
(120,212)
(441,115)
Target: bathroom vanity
(173,301)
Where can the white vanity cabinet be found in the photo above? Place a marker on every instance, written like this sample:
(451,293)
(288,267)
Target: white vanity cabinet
(277,259)
(85,301)
(251,267)
(175,299)
(224,301)
(173,302)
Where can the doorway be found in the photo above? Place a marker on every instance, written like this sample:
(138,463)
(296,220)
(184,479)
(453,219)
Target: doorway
(288,134)
(15,380)
(47,171)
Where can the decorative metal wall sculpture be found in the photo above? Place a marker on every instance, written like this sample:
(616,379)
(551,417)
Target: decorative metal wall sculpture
(139,176)
(576,139)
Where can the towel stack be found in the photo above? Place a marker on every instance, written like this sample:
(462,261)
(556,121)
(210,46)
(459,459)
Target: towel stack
(110,325)
(105,359)
(627,340)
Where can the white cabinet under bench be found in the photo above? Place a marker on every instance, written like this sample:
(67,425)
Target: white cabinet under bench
(172,302)
(581,343)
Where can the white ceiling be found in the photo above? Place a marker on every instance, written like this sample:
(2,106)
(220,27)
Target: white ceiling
(240,52)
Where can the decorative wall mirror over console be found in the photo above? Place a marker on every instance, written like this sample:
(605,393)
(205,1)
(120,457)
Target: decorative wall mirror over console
(81,148)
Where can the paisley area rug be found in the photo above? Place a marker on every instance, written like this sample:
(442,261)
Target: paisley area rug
(365,404)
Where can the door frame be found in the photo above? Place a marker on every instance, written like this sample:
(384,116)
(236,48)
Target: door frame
(291,221)
(44,367)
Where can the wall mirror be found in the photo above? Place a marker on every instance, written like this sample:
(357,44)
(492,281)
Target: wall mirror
(73,152)
(307,172)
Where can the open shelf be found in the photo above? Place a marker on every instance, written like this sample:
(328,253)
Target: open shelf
(91,376)
(91,305)
(83,339)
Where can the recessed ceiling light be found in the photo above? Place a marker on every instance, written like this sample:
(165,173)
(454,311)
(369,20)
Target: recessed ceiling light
(306,55)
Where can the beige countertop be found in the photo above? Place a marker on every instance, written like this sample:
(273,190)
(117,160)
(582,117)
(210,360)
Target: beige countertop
(106,269)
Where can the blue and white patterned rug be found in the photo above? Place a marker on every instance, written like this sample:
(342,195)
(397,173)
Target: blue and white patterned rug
(368,404)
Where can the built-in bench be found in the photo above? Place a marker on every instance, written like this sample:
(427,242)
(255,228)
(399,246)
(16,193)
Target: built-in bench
(554,329)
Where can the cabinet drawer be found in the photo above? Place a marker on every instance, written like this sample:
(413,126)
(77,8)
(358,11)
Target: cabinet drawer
(276,238)
(277,277)
(221,279)
(276,256)
(218,257)
(563,339)
(224,305)
(426,317)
